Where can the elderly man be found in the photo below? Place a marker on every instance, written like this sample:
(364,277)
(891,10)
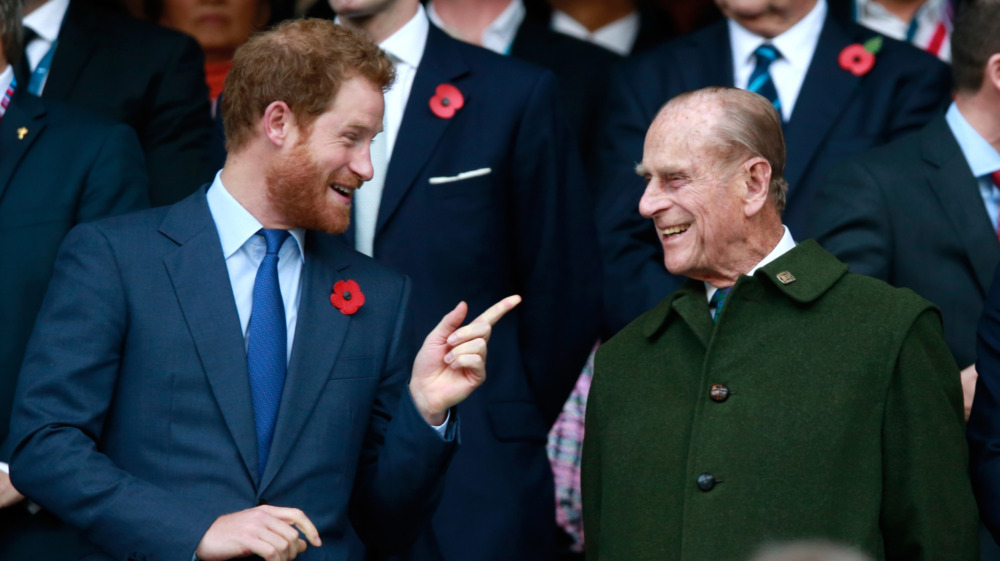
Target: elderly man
(840,88)
(775,396)
(215,377)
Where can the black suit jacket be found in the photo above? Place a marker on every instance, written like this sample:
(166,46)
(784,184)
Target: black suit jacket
(148,77)
(837,114)
(910,213)
(59,166)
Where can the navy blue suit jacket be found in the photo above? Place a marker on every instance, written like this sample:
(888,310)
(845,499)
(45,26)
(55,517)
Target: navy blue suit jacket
(983,429)
(133,419)
(67,167)
(523,228)
(837,114)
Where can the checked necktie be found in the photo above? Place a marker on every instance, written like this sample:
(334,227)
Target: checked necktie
(718,301)
(267,346)
(760,80)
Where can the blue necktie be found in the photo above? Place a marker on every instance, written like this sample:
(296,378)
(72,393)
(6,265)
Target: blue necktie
(760,81)
(267,346)
(718,301)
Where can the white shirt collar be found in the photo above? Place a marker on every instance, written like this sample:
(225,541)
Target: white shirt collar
(796,45)
(234,223)
(407,44)
(618,36)
(983,159)
(6,77)
(47,19)
(785,244)
(499,34)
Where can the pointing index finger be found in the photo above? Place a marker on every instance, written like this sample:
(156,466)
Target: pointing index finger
(498,310)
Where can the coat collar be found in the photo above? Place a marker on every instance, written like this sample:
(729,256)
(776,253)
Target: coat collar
(808,272)
(25,112)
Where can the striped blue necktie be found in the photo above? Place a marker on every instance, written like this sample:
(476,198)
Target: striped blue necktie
(267,346)
(760,81)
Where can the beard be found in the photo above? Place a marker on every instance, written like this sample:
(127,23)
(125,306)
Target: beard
(300,192)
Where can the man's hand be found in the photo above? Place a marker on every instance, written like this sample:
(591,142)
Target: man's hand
(267,531)
(969,377)
(452,361)
(8,494)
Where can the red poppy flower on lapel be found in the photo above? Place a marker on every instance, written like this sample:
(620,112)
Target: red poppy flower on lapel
(859,59)
(347,297)
(446,101)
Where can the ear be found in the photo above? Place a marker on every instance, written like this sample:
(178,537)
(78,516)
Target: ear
(992,73)
(279,123)
(757,172)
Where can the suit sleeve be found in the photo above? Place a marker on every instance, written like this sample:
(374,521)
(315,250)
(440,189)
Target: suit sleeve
(400,475)
(117,182)
(635,278)
(177,136)
(852,220)
(983,430)
(556,261)
(925,471)
(66,386)
(920,94)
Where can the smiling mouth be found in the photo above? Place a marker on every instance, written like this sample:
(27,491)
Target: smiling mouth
(675,230)
(345,191)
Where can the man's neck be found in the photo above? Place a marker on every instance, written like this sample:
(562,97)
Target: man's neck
(32,5)
(382,25)
(594,14)
(751,252)
(244,179)
(905,10)
(470,17)
(982,111)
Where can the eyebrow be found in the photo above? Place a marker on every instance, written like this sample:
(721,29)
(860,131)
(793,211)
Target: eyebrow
(641,170)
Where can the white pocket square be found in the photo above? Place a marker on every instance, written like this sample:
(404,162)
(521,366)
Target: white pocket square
(464,175)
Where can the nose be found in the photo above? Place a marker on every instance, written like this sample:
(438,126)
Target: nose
(361,162)
(653,200)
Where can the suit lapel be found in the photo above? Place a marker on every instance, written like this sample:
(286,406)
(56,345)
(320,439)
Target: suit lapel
(825,92)
(77,40)
(958,192)
(200,279)
(421,130)
(319,334)
(26,113)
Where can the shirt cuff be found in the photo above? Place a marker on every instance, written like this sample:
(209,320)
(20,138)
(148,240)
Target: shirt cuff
(4,467)
(443,427)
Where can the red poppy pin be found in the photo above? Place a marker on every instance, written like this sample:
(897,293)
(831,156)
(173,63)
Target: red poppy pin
(446,101)
(858,59)
(347,297)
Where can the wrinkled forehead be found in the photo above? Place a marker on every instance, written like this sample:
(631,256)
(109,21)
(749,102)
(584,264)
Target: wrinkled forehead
(682,127)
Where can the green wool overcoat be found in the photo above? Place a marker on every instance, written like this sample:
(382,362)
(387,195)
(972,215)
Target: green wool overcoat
(824,405)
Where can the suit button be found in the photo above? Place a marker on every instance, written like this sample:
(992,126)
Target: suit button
(706,482)
(719,393)
(261,502)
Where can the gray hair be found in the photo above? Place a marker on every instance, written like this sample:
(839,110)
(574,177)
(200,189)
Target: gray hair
(750,126)
(809,551)
(11,31)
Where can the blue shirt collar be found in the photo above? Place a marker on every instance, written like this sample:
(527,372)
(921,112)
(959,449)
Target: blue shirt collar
(983,159)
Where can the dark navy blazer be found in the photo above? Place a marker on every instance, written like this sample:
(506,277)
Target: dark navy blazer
(133,418)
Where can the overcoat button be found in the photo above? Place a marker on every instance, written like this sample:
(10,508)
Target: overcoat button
(706,482)
(719,393)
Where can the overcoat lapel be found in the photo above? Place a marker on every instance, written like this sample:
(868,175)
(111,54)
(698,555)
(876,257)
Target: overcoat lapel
(200,279)
(421,130)
(958,192)
(319,334)
(825,93)
(25,112)
(77,40)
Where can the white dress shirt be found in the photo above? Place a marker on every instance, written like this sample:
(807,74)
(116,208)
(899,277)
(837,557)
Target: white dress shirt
(920,31)
(785,244)
(46,20)
(796,46)
(618,36)
(499,34)
(983,159)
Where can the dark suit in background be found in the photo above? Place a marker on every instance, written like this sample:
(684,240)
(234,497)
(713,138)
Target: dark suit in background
(68,167)
(525,229)
(157,436)
(910,213)
(836,114)
(145,76)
